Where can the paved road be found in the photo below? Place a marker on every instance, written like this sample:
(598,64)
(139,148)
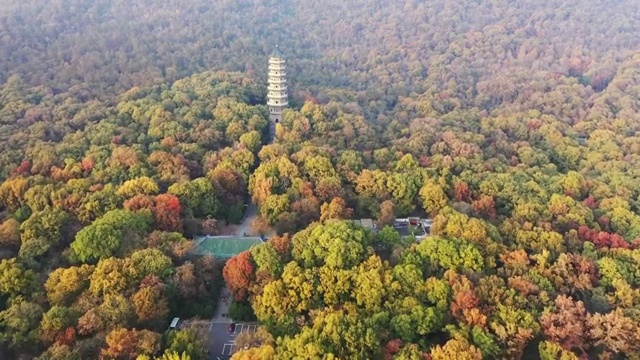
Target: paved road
(224,300)
(222,344)
(245,227)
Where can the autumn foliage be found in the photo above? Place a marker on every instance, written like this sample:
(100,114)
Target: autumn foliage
(166,210)
(602,239)
(509,127)
(238,273)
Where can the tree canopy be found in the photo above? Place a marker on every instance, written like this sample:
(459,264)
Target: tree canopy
(128,128)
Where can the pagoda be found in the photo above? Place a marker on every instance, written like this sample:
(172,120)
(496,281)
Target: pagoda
(277,89)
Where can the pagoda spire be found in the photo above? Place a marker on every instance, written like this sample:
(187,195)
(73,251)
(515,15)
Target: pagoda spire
(277,98)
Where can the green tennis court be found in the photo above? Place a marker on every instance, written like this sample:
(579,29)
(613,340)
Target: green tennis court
(224,246)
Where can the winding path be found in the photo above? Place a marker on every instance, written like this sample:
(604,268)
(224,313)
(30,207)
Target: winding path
(244,228)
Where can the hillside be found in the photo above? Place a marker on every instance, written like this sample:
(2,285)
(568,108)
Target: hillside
(126,129)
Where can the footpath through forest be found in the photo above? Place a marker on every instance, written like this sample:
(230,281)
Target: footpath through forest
(244,229)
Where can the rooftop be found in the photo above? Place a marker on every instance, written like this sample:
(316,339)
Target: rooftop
(277,53)
(365,223)
(174,323)
(406,229)
(404,226)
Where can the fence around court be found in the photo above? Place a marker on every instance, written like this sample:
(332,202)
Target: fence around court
(224,246)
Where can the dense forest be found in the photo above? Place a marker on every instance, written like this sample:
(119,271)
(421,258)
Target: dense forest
(126,129)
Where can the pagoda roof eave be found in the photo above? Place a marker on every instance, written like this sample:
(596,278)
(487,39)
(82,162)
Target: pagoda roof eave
(277,53)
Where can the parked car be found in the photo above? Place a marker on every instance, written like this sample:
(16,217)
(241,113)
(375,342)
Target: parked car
(232,327)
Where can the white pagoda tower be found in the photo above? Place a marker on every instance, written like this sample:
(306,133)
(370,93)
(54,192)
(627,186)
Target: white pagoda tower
(277,89)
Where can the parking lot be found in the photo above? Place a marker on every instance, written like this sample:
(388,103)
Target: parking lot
(222,344)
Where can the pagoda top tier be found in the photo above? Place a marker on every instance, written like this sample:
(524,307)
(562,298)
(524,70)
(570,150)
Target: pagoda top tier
(277,53)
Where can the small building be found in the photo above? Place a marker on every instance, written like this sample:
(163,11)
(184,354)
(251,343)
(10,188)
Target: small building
(582,140)
(366,223)
(426,225)
(412,226)
(415,226)
(174,323)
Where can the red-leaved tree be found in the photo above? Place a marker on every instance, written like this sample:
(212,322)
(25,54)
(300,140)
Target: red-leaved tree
(602,239)
(166,212)
(238,274)
(485,206)
(461,191)
(567,324)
